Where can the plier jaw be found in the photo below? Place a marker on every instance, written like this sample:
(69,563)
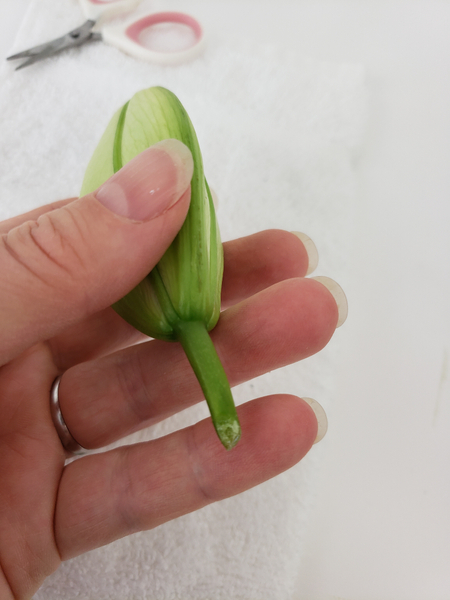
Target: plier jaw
(76,37)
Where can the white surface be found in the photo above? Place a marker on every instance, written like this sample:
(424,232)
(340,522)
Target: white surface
(303,159)
(11,15)
(382,524)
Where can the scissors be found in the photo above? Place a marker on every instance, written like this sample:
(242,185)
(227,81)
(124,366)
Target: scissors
(128,34)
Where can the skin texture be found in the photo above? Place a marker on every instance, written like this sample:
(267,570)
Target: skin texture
(61,267)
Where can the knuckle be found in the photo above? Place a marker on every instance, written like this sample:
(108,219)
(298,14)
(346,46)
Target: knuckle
(53,250)
(127,496)
(199,469)
(136,394)
(61,241)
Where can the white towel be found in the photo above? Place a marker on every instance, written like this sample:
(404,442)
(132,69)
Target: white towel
(279,134)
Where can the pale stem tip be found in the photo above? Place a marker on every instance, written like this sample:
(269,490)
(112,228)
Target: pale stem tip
(229,433)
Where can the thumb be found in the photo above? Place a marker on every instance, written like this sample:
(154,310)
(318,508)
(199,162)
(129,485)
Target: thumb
(76,260)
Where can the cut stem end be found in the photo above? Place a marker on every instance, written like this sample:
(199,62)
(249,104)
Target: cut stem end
(229,433)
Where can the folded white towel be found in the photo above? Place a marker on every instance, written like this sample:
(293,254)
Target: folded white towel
(279,135)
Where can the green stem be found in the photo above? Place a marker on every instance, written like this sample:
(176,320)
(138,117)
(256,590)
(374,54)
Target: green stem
(208,369)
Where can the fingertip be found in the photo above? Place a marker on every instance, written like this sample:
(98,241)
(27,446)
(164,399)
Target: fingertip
(150,183)
(339,296)
(277,432)
(280,425)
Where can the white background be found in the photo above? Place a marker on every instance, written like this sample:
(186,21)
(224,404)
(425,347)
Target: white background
(381,530)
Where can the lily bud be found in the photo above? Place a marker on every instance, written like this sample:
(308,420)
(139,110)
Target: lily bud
(179,300)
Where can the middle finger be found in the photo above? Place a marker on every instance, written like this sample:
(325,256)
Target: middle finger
(106,399)
(252,263)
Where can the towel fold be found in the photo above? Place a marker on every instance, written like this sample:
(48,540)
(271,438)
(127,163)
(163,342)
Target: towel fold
(279,134)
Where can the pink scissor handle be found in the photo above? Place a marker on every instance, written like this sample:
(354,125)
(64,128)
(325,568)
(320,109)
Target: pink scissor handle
(128,37)
(94,9)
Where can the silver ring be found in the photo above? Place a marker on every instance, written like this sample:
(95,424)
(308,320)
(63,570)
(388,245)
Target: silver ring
(67,440)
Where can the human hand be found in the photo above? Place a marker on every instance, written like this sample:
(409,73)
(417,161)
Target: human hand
(62,266)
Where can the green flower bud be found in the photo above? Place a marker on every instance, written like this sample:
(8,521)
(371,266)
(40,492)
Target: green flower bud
(179,300)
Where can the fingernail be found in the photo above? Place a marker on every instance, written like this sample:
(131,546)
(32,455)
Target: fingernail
(311,250)
(338,294)
(322,421)
(149,184)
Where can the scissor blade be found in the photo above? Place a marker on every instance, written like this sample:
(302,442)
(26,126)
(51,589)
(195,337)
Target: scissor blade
(38,53)
(74,38)
(31,61)
(41,48)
